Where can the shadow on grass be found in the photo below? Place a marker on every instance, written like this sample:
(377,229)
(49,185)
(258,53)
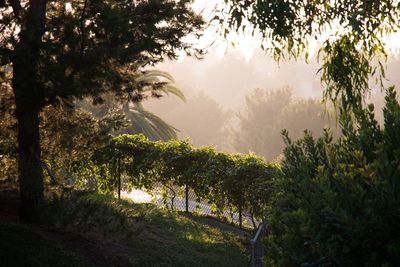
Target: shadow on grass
(156,237)
(20,246)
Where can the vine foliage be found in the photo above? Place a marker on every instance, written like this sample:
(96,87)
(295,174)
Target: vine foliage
(237,182)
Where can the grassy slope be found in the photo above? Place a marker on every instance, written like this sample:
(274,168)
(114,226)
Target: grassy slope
(20,246)
(154,237)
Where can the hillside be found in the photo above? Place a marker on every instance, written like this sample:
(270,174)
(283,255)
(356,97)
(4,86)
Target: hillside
(98,230)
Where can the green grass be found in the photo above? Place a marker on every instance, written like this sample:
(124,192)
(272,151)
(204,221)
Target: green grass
(156,237)
(20,246)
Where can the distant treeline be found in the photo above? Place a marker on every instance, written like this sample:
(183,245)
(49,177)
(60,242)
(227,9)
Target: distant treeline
(256,127)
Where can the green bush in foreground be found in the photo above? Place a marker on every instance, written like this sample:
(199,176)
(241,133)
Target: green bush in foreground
(338,203)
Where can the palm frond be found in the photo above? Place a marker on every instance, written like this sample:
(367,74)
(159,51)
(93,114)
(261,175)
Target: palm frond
(141,120)
(149,124)
(164,80)
(154,76)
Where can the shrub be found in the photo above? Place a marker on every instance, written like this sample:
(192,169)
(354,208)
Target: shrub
(338,203)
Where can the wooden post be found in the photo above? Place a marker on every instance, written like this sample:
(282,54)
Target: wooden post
(240,217)
(119,178)
(187,197)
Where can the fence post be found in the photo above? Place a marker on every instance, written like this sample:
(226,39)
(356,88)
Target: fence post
(240,217)
(187,197)
(253,242)
(119,177)
(253,253)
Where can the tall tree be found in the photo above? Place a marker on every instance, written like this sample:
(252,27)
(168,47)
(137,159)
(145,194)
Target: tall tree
(267,113)
(59,50)
(352,35)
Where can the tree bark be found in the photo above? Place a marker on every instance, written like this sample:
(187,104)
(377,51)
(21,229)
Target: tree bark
(29,167)
(28,99)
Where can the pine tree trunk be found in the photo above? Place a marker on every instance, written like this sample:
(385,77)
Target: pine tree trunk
(28,99)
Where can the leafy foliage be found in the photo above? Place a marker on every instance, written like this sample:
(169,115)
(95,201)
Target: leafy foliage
(337,203)
(351,33)
(58,51)
(93,46)
(236,182)
(69,136)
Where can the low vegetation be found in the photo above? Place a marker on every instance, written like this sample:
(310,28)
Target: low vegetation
(149,235)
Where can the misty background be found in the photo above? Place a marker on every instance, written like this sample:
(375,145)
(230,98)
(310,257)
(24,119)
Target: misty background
(240,100)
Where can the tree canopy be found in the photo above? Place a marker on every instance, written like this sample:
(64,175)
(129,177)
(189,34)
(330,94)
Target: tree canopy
(61,50)
(92,46)
(352,34)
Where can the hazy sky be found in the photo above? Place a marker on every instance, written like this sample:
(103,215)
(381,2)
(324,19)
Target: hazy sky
(229,78)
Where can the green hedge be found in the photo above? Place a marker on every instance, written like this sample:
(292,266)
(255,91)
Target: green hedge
(226,181)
